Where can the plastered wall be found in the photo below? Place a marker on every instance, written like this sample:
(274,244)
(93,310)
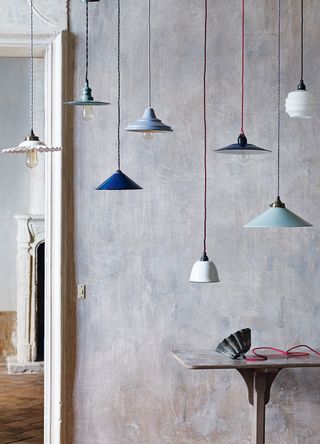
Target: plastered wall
(134,250)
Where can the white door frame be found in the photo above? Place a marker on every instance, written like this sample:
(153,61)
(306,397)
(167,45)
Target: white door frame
(53,48)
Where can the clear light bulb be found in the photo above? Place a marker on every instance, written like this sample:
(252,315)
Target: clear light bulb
(32,159)
(87,112)
(243,157)
(148,135)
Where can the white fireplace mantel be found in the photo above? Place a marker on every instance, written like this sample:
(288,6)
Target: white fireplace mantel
(30,234)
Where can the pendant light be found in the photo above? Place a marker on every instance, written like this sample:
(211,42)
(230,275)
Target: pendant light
(87,101)
(242,148)
(149,123)
(301,103)
(204,270)
(278,216)
(32,144)
(119,180)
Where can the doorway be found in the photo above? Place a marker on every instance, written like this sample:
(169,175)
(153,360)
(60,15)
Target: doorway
(49,319)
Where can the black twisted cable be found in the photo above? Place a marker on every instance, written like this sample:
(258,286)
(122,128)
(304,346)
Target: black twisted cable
(31,67)
(119,83)
(279,94)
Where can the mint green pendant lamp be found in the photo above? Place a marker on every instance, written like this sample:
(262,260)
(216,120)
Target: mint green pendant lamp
(86,100)
(278,216)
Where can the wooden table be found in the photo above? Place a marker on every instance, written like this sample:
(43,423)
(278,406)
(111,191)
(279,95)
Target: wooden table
(258,376)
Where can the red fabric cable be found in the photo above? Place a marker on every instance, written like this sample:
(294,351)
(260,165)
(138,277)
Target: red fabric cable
(205,123)
(242,73)
(289,353)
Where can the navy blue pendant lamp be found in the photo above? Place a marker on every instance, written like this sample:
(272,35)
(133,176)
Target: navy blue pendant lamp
(87,101)
(149,124)
(119,180)
(278,216)
(204,271)
(242,148)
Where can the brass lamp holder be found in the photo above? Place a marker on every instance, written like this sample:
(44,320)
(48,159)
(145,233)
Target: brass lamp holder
(277,203)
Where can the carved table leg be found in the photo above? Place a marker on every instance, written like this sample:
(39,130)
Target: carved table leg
(259,382)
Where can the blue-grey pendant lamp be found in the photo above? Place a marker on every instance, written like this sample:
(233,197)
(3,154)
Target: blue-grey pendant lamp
(278,216)
(149,124)
(119,180)
(242,148)
(204,271)
(31,145)
(87,101)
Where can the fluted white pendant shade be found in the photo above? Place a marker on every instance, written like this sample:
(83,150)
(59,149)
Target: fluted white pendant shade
(300,104)
(31,145)
(204,271)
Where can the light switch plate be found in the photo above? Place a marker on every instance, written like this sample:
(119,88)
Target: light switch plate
(81,294)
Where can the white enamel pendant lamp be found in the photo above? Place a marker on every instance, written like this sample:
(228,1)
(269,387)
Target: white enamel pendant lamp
(204,271)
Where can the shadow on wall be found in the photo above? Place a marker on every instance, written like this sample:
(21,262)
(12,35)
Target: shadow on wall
(69,283)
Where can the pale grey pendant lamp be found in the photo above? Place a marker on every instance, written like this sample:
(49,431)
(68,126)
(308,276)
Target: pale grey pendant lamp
(87,101)
(149,124)
(301,104)
(204,270)
(32,145)
(278,216)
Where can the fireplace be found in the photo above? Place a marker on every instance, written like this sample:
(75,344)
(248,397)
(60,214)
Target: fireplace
(30,295)
(30,268)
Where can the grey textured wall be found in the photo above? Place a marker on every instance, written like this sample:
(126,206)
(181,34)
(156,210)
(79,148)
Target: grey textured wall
(134,250)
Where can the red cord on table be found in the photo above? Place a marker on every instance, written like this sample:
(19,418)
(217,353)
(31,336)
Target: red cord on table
(289,353)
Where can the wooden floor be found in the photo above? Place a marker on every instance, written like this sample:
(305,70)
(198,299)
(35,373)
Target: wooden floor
(21,408)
